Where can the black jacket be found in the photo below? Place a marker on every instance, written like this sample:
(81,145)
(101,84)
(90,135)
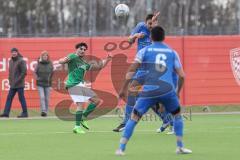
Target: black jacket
(17,72)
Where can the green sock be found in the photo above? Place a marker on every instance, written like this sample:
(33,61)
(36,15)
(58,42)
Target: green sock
(89,109)
(78,117)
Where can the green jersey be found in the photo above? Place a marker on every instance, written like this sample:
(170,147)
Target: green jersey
(77,68)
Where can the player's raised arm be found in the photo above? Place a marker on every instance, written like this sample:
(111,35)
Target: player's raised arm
(136,33)
(132,38)
(154,19)
(100,64)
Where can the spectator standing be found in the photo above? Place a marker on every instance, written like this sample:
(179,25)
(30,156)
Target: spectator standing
(43,74)
(17,74)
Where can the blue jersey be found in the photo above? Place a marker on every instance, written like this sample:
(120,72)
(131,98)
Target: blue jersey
(146,40)
(158,61)
(141,74)
(143,42)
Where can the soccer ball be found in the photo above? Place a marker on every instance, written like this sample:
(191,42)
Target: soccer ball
(121,10)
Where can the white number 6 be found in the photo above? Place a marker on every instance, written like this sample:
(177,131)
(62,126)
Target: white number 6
(160,63)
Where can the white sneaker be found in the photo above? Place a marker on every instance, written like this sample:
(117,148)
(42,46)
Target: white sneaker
(163,127)
(183,151)
(158,130)
(121,129)
(119,152)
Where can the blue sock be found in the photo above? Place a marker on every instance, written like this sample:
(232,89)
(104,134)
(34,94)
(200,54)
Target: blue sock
(179,144)
(178,125)
(178,128)
(122,146)
(127,115)
(129,128)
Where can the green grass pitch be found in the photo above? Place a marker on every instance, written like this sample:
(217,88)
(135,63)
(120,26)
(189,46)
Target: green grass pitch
(211,137)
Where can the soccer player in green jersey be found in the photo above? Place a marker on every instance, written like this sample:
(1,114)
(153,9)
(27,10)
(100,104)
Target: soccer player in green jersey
(78,65)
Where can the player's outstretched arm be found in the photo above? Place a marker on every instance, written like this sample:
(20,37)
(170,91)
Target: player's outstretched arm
(136,33)
(132,38)
(95,66)
(63,60)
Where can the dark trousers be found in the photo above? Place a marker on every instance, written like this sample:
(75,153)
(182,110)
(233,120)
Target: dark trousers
(10,97)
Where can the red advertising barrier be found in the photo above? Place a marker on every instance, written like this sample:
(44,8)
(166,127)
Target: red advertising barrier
(210,80)
(207,64)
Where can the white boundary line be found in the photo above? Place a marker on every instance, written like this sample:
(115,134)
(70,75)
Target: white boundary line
(46,133)
(114,116)
(109,131)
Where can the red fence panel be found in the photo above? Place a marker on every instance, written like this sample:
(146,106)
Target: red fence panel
(209,78)
(206,60)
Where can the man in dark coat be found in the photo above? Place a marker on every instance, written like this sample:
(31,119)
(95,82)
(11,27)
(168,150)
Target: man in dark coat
(17,74)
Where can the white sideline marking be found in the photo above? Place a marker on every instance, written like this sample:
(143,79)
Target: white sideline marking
(51,117)
(46,133)
(115,116)
(32,133)
(109,131)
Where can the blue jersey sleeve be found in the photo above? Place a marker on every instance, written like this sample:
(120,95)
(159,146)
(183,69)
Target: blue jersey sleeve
(137,29)
(140,55)
(177,62)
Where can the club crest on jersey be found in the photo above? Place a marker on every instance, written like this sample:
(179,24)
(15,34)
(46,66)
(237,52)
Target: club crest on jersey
(235,63)
(84,67)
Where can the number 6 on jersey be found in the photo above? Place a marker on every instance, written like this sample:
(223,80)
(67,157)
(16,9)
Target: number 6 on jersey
(160,63)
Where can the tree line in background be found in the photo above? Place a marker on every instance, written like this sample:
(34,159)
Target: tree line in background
(96,17)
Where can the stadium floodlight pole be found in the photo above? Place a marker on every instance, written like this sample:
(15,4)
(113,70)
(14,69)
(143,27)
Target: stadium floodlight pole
(149,6)
(92,16)
(1,24)
(62,17)
(180,15)
(238,15)
(197,17)
(111,17)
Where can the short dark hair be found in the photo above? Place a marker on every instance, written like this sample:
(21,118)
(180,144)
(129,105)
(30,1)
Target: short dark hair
(14,50)
(80,45)
(158,34)
(149,16)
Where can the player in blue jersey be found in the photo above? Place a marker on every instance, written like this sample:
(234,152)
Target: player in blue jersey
(141,33)
(159,62)
(167,117)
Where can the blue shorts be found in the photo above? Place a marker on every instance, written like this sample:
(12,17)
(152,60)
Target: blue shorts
(169,100)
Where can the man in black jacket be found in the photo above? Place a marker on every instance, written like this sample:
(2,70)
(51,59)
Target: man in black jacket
(17,74)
